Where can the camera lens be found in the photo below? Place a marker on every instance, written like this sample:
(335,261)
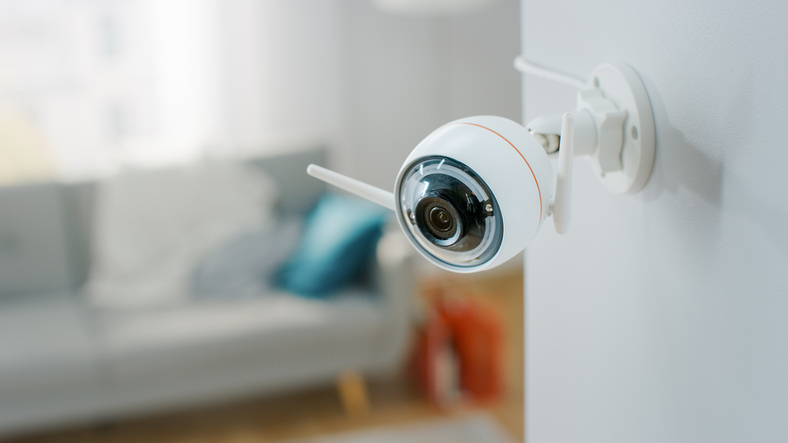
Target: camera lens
(439,219)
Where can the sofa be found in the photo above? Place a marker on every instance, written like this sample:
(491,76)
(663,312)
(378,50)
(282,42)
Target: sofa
(64,361)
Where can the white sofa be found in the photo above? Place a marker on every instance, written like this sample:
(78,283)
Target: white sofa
(64,362)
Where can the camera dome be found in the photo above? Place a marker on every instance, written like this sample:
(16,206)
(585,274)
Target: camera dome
(450,211)
(463,183)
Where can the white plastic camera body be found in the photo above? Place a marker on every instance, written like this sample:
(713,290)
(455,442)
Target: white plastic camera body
(475,192)
(507,176)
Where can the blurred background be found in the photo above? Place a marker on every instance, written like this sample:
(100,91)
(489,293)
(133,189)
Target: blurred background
(90,86)
(168,271)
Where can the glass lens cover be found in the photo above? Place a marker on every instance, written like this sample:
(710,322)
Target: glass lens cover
(450,211)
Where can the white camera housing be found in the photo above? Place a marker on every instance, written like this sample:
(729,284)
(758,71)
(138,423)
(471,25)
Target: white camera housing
(474,193)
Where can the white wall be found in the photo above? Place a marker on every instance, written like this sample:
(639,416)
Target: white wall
(369,84)
(663,317)
(407,75)
(282,63)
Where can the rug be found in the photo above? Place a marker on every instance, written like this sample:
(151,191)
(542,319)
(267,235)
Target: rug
(473,429)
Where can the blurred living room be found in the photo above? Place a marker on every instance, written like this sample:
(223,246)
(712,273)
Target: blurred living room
(181,260)
(170,273)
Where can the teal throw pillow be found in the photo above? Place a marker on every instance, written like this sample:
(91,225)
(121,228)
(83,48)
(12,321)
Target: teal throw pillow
(339,242)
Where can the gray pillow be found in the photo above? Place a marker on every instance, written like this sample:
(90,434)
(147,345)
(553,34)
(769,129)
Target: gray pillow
(244,266)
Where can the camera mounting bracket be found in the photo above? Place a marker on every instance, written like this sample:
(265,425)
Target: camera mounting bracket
(614,128)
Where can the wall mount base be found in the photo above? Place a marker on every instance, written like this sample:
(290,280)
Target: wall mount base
(620,84)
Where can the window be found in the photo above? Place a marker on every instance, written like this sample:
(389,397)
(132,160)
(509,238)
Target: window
(89,85)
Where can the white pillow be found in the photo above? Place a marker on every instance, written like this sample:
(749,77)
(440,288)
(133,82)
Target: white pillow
(152,226)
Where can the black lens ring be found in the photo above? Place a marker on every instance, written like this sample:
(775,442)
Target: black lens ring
(441,237)
(460,245)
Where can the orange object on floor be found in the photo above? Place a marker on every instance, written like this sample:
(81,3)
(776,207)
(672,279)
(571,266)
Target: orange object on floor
(433,338)
(459,353)
(477,334)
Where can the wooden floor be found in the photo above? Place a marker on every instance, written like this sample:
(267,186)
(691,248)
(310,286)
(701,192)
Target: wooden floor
(317,412)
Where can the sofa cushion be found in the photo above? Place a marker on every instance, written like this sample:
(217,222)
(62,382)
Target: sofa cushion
(202,337)
(46,347)
(33,242)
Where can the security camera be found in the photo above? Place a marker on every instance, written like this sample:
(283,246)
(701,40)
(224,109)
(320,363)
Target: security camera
(474,193)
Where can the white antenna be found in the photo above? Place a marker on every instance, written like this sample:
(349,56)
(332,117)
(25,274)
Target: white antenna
(562,204)
(369,192)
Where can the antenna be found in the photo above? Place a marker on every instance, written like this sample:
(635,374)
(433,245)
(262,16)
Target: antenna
(369,192)
(562,204)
